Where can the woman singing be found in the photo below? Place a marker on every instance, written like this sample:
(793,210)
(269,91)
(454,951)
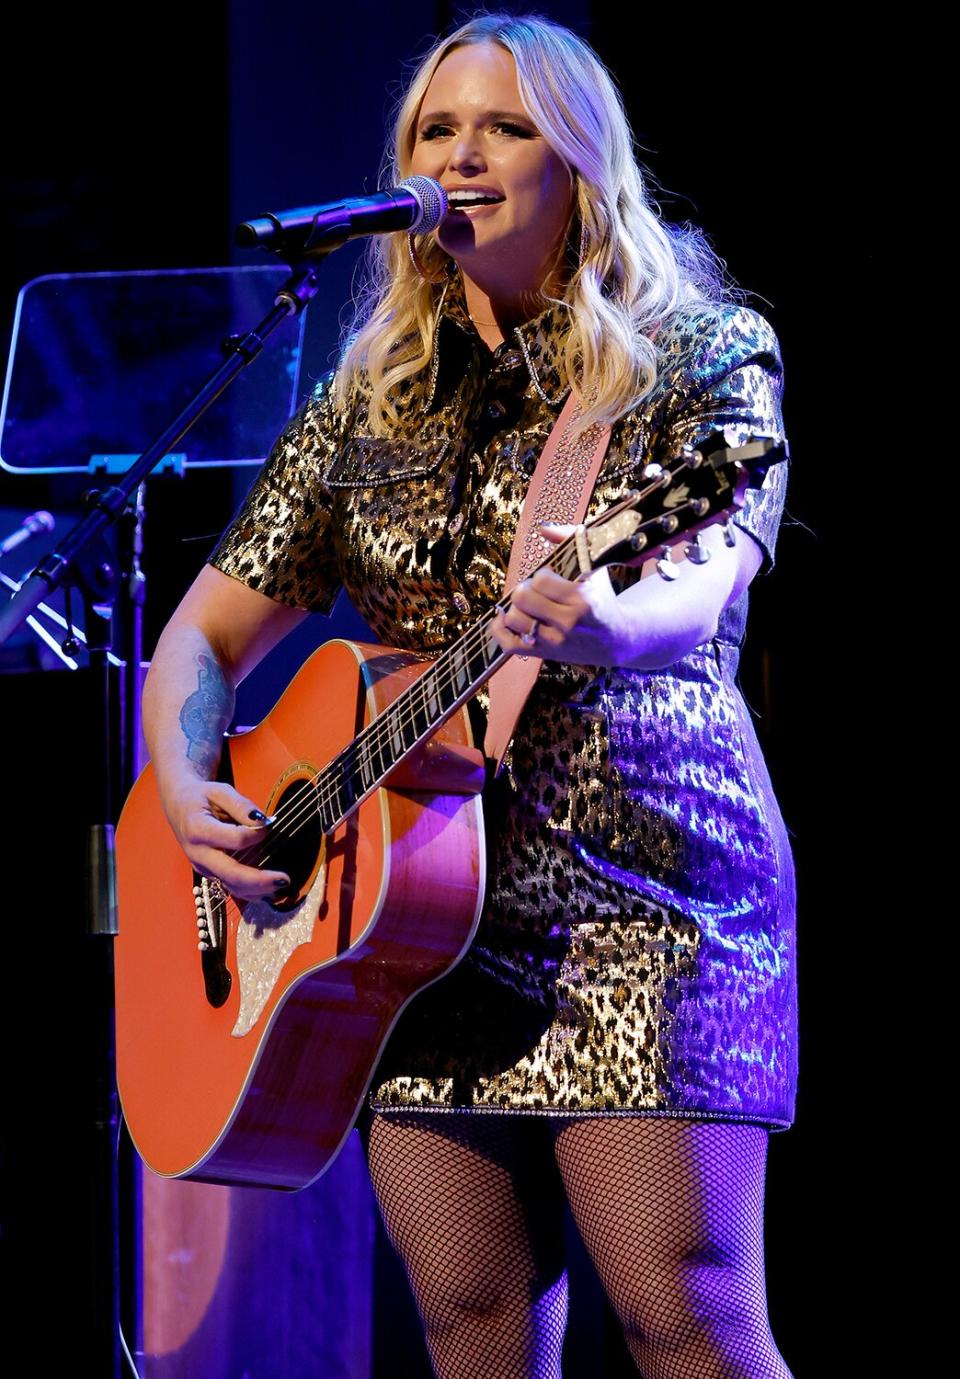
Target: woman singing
(622,1032)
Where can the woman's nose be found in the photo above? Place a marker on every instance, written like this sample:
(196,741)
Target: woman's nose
(467,154)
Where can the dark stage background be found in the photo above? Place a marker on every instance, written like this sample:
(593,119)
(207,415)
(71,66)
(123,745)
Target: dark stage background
(139,144)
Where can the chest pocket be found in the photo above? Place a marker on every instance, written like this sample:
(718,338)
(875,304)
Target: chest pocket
(375,461)
(520,451)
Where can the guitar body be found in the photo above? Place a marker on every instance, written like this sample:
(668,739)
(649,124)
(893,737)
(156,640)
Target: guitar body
(250,1065)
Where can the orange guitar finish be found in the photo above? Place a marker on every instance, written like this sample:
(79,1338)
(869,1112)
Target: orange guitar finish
(404,888)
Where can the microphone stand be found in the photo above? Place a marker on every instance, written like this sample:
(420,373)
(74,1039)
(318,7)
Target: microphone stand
(85,561)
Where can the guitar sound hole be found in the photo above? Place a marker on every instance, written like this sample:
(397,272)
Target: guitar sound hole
(295,839)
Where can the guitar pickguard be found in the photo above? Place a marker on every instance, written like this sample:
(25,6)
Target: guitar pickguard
(266,937)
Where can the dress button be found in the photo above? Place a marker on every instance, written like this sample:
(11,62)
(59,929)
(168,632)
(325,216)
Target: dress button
(461,603)
(455,523)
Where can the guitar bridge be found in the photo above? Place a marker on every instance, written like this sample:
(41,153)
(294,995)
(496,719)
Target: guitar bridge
(211,904)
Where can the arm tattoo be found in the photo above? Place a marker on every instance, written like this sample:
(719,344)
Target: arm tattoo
(206,715)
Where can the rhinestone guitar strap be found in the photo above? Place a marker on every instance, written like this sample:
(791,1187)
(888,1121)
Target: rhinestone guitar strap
(559,492)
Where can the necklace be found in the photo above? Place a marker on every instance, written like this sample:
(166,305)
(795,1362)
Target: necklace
(477,322)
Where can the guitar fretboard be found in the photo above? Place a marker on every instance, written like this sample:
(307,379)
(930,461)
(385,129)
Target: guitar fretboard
(419,710)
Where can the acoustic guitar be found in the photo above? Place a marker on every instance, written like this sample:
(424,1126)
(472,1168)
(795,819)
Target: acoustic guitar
(248,1032)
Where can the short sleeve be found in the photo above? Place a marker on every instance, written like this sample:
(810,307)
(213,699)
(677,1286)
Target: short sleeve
(280,541)
(730,378)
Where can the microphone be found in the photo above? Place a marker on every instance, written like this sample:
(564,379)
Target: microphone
(33,525)
(416,205)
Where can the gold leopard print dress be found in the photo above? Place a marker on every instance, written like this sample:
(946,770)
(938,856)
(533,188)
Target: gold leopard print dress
(636,951)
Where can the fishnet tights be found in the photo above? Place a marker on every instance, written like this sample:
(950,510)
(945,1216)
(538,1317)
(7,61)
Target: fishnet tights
(671,1213)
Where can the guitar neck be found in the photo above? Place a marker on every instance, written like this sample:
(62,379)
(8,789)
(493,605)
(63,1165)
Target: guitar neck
(418,711)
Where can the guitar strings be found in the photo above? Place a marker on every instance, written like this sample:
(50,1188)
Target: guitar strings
(446,671)
(375,738)
(292,818)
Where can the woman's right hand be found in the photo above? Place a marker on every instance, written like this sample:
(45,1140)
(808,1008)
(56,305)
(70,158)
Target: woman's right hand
(217,634)
(212,821)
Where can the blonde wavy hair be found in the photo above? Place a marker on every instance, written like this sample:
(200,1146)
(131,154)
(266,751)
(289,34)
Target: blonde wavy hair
(626,269)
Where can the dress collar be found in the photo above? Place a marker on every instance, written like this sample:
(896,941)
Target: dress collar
(540,342)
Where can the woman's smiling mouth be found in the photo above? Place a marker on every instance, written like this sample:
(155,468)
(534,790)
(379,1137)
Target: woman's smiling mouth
(468,200)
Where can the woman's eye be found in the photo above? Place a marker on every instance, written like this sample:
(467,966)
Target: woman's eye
(440,131)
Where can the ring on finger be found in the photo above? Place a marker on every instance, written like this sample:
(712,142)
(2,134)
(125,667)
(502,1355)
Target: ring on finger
(529,638)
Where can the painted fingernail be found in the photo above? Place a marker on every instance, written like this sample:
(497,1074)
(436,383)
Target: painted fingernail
(258,817)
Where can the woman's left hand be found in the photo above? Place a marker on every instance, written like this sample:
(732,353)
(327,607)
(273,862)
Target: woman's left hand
(578,621)
(650,625)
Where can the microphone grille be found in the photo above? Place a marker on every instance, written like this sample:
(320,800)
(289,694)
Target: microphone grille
(432,200)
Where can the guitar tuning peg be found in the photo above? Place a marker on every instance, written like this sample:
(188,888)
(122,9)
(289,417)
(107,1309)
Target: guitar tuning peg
(697,551)
(666,566)
(692,456)
(729,535)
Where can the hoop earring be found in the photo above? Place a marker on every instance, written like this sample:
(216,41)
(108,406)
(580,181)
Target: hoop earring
(421,271)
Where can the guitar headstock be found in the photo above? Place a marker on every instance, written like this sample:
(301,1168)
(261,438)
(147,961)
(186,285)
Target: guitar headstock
(705,484)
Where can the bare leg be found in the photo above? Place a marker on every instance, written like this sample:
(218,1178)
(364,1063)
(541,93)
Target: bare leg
(671,1212)
(474,1207)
